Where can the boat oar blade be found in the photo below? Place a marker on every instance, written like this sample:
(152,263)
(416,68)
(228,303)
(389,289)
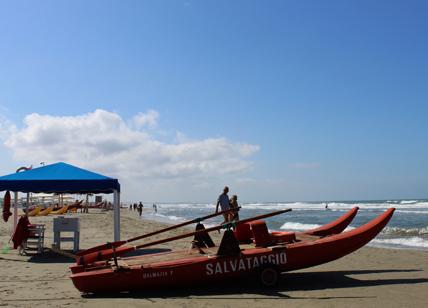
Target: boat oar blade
(100,247)
(101,255)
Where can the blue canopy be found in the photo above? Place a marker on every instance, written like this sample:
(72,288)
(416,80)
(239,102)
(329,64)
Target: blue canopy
(59,178)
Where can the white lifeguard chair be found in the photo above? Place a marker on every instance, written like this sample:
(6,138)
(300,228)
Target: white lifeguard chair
(62,224)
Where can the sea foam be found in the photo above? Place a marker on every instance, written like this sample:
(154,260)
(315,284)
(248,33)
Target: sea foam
(415,242)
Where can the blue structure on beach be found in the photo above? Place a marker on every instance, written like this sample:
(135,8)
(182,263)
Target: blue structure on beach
(63,178)
(59,178)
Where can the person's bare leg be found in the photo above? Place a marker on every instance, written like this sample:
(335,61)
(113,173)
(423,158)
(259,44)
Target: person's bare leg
(226,218)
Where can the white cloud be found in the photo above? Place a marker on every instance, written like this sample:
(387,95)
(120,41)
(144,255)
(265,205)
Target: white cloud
(102,141)
(6,127)
(146,119)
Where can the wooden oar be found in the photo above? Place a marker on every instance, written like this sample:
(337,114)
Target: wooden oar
(109,253)
(120,243)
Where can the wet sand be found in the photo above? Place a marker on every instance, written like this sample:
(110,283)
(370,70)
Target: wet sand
(370,277)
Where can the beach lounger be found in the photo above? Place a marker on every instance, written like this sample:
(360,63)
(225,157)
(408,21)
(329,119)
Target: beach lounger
(61,211)
(45,212)
(35,211)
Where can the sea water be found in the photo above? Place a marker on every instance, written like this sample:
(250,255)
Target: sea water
(408,228)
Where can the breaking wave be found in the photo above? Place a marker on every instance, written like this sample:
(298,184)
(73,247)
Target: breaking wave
(405,232)
(298,226)
(414,242)
(412,212)
(412,206)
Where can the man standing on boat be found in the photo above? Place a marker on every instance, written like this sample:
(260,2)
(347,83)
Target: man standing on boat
(223,202)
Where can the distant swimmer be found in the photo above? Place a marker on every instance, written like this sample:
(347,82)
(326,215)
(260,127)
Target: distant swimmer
(326,206)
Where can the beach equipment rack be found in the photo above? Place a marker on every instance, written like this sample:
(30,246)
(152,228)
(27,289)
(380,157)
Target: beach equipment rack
(35,240)
(63,224)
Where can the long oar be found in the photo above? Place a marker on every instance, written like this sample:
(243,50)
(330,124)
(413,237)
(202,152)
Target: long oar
(120,243)
(113,252)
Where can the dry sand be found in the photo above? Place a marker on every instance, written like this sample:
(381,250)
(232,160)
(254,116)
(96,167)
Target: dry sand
(370,277)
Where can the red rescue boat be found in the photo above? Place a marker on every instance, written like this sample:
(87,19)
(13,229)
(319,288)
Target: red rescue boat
(265,257)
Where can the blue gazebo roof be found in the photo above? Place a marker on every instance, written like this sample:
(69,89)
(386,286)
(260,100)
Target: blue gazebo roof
(59,178)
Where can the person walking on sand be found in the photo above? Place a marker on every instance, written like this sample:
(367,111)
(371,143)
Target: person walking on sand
(140,208)
(223,202)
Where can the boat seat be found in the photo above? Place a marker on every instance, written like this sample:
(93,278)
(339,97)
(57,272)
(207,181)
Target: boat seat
(262,237)
(283,237)
(261,233)
(243,233)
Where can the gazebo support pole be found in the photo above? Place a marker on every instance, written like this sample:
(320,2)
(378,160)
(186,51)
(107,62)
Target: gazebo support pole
(15,211)
(116,205)
(28,204)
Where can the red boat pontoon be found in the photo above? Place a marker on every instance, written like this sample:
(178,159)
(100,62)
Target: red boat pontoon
(264,255)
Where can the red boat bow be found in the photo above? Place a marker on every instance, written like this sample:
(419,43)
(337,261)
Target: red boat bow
(335,227)
(300,255)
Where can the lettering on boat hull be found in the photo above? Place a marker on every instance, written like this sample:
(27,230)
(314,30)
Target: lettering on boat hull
(244,264)
(150,275)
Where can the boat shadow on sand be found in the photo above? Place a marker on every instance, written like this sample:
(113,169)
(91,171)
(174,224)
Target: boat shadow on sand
(250,289)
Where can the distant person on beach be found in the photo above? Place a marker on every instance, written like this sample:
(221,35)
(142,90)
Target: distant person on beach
(234,205)
(135,206)
(223,202)
(155,208)
(140,208)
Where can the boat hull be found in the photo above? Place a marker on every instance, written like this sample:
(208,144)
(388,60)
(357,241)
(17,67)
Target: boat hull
(327,249)
(205,268)
(190,271)
(336,226)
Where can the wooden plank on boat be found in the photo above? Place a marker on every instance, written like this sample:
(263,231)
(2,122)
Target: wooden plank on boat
(306,237)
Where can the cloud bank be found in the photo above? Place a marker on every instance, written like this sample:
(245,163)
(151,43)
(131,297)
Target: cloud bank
(105,142)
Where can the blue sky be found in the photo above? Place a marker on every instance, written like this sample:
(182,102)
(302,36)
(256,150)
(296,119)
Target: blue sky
(332,95)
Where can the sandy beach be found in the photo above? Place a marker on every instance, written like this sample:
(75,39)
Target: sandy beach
(370,277)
